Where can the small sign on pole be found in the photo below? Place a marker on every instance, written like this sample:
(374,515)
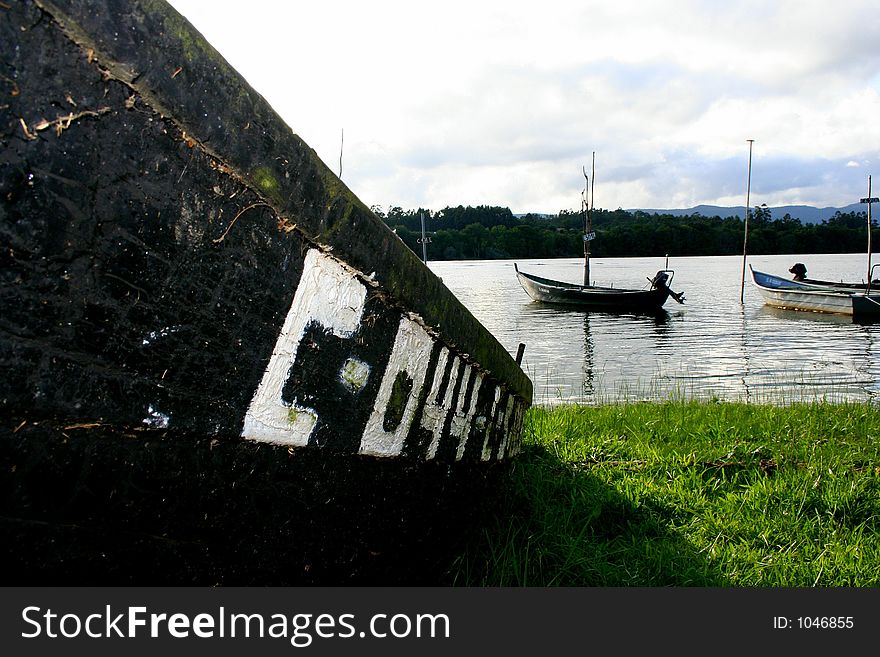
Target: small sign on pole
(589,236)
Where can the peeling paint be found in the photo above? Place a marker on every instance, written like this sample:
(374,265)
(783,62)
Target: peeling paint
(354,374)
(435,414)
(330,294)
(505,422)
(490,427)
(302,421)
(398,400)
(412,346)
(462,419)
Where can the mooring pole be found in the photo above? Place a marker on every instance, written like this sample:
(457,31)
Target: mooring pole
(341,143)
(424,240)
(585,206)
(742,290)
(869,200)
(586,202)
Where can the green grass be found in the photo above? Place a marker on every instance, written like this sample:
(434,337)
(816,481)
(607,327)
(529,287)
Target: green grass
(687,493)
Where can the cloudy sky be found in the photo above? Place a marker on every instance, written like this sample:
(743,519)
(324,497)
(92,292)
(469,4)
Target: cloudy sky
(486,102)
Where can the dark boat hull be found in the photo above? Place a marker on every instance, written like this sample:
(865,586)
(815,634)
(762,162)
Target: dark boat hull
(217,365)
(546,290)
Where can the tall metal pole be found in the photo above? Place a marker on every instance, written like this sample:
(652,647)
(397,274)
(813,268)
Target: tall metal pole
(585,206)
(341,143)
(589,187)
(869,200)
(742,290)
(424,240)
(869,231)
(593,183)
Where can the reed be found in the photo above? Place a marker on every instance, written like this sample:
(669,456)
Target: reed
(688,493)
(682,383)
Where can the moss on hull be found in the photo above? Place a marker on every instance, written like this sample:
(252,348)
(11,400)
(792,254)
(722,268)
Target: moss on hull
(267,184)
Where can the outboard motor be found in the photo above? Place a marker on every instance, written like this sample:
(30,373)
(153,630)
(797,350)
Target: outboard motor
(661,281)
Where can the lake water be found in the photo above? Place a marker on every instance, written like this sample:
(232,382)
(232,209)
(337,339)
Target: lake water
(711,347)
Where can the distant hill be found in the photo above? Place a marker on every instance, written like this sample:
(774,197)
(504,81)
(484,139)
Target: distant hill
(806,213)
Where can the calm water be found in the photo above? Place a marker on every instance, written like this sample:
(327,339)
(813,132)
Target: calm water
(712,346)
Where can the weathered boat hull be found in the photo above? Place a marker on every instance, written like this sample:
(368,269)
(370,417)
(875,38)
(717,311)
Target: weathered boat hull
(796,295)
(823,302)
(597,298)
(209,346)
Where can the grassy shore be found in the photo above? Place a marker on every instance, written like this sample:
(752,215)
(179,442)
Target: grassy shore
(686,493)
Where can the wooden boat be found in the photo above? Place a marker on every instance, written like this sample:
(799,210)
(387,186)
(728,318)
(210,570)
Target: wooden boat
(823,297)
(596,297)
(860,300)
(217,365)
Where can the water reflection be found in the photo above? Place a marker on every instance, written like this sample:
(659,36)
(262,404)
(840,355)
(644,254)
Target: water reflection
(744,355)
(589,377)
(807,317)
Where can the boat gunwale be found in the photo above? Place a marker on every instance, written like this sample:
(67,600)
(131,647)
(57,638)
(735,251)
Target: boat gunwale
(562,285)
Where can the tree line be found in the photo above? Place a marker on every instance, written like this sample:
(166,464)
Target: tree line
(490,232)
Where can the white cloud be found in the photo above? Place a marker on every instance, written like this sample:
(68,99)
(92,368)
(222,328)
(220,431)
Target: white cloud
(502,103)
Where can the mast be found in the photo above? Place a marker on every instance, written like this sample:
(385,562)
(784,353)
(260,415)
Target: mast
(869,200)
(869,231)
(587,206)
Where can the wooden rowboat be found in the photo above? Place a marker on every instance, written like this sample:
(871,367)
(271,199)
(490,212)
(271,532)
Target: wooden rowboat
(596,297)
(818,296)
(859,300)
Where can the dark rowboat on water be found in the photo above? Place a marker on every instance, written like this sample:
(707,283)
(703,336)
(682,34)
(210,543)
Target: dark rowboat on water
(595,297)
(651,299)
